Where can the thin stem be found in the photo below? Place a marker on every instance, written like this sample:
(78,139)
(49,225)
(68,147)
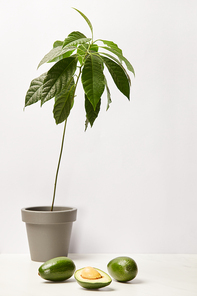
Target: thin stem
(62,145)
(58,166)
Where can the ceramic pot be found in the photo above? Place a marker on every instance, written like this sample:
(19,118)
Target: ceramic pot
(48,231)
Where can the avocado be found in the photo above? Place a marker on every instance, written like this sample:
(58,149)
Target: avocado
(92,278)
(57,269)
(122,268)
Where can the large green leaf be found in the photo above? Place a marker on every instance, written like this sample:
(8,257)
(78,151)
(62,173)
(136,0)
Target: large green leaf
(93,79)
(58,77)
(117,61)
(64,102)
(91,113)
(75,35)
(121,57)
(75,38)
(34,92)
(86,19)
(79,41)
(118,75)
(54,53)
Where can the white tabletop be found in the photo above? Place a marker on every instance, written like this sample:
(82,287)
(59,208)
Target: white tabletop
(159,275)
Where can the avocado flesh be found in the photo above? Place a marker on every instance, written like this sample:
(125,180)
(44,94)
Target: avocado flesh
(57,269)
(104,281)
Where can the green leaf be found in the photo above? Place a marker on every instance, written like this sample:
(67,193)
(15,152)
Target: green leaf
(108,95)
(57,43)
(118,62)
(81,52)
(113,46)
(64,102)
(86,124)
(61,57)
(91,114)
(54,53)
(93,79)
(79,41)
(75,38)
(57,78)
(121,57)
(72,37)
(118,75)
(86,19)
(34,92)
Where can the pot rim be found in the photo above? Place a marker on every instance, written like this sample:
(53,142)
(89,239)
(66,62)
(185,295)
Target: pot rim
(47,209)
(43,215)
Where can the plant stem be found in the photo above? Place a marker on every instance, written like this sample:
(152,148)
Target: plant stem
(58,166)
(62,145)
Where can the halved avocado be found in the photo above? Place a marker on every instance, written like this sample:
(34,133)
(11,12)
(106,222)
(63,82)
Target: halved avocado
(92,278)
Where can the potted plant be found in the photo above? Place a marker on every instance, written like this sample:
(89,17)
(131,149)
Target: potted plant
(75,58)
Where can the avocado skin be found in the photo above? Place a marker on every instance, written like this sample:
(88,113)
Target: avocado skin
(92,286)
(57,269)
(122,269)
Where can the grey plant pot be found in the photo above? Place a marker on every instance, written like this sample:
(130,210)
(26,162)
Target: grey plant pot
(48,231)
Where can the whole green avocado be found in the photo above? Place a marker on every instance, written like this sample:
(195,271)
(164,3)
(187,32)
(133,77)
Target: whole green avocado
(57,269)
(122,268)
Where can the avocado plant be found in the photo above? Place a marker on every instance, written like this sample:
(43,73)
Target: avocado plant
(78,58)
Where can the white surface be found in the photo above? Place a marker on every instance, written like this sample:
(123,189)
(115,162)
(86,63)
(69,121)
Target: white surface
(159,275)
(133,175)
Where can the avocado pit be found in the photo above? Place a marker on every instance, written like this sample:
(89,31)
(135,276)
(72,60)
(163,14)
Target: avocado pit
(90,273)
